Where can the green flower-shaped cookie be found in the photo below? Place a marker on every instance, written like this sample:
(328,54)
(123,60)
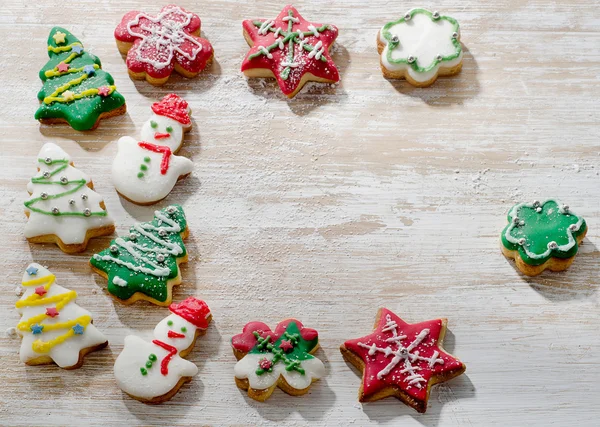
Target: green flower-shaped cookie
(541,231)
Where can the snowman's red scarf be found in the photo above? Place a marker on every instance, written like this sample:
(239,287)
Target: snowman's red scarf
(166,152)
(164,364)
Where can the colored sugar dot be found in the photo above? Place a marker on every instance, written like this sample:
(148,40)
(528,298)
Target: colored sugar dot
(144,167)
(147,159)
(153,124)
(169,129)
(143,371)
(148,364)
(184,329)
(152,357)
(140,175)
(170,323)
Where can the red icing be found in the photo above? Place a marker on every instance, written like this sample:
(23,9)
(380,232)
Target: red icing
(174,107)
(378,361)
(41,291)
(156,39)
(52,312)
(318,68)
(245,341)
(164,364)
(166,152)
(173,334)
(193,310)
(159,135)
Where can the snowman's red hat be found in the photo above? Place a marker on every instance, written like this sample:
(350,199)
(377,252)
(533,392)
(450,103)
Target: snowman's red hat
(174,107)
(193,310)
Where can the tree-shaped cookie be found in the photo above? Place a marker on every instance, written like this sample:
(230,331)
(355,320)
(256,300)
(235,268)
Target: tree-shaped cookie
(281,358)
(157,45)
(63,207)
(153,371)
(145,264)
(402,360)
(76,90)
(145,171)
(54,328)
(542,236)
(291,49)
(419,47)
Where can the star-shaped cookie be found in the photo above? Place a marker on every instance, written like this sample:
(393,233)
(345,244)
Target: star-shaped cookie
(290,49)
(402,360)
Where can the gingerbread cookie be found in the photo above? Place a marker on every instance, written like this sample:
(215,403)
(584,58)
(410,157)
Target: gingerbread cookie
(157,45)
(54,328)
(419,47)
(290,49)
(282,358)
(76,90)
(146,171)
(401,360)
(542,236)
(63,207)
(153,372)
(145,264)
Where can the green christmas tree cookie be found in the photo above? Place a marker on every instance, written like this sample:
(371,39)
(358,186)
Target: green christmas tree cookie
(542,236)
(76,90)
(145,264)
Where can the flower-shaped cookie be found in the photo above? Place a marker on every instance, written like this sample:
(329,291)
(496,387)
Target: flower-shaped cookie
(542,235)
(419,47)
(155,46)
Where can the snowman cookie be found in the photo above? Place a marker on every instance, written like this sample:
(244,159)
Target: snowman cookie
(145,171)
(419,47)
(54,328)
(281,358)
(153,371)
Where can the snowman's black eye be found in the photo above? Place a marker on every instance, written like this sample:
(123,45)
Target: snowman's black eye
(169,129)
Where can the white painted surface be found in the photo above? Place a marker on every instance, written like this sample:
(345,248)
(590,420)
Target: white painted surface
(348,198)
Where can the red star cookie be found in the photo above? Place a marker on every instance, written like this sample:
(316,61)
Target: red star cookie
(402,360)
(157,45)
(291,49)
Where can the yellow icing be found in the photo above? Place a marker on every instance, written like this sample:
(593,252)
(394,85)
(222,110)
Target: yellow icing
(59,49)
(61,301)
(55,73)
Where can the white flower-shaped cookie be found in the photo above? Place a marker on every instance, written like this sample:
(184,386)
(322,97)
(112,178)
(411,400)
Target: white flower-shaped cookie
(419,47)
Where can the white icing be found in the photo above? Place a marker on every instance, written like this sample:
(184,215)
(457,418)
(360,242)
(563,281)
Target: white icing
(317,51)
(515,241)
(153,186)
(246,369)
(70,229)
(119,282)
(135,355)
(424,39)
(314,31)
(291,18)
(168,33)
(65,354)
(265,51)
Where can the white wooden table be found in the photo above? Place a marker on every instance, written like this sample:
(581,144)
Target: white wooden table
(370,193)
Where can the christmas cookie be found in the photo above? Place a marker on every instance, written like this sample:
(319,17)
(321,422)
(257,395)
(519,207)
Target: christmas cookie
(542,235)
(54,328)
(290,49)
(401,360)
(76,90)
(146,171)
(145,264)
(157,45)
(63,207)
(419,47)
(282,358)
(154,371)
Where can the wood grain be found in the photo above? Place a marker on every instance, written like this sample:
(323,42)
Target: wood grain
(350,197)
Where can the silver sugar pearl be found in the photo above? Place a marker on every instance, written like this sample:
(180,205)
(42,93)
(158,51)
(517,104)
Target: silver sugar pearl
(55,211)
(71,201)
(454,35)
(160,257)
(114,249)
(573,227)
(407,16)
(435,15)
(64,180)
(516,220)
(565,208)
(411,59)
(46,174)
(84,196)
(522,241)
(538,209)
(171,209)
(395,39)
(132,236)
(162,232)
(439,57)
(48,160)
(536,203)
(87,212)
(552,245)
(404,351)
(44,195)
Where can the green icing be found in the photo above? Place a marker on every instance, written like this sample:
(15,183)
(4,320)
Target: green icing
(542,231)
(293,358)
(82,113)
(414,65)
(135,260)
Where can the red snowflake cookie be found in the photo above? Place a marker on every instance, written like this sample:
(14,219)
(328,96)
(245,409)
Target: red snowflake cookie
(291,49)
(157,45)
(402,360)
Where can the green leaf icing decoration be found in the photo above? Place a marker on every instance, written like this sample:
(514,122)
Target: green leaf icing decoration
(540,231)
(75,94)
(147,259)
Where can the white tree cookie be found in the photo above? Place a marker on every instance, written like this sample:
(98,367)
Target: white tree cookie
(145,172)
(419,47)
(63,208)
(54,328)
(153,372)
